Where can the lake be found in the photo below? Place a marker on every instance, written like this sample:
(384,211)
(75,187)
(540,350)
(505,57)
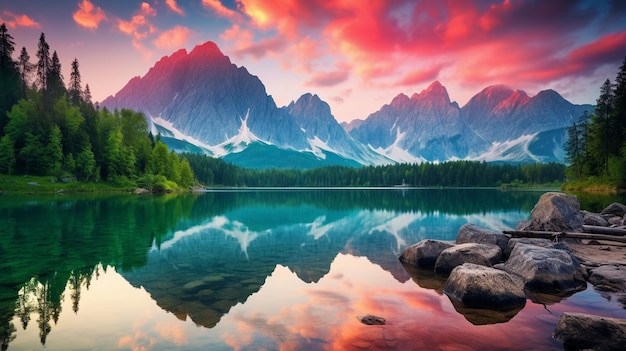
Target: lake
(281,269)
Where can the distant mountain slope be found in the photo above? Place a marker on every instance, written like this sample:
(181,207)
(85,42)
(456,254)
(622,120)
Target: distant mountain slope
(204,99)
(201,102)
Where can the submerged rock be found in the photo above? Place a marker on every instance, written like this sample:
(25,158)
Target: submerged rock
(370,319)
(424,254)
(477,286)
(579,331)
(482,254)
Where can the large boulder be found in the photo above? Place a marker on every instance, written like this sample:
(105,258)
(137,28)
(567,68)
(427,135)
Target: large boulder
(424,254)
(477,286)
(547,243)
(579,331)
(609,278)
(555,212)
(545,269)
(471,233)
(481,254)
(615,209)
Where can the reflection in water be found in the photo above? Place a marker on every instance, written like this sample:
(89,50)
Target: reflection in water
(273,269)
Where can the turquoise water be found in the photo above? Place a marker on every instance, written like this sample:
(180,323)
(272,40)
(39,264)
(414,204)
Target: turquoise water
(254,269)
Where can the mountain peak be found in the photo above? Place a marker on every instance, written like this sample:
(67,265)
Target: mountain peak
(208,49)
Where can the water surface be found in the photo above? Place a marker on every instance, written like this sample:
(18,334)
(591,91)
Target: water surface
(252,269)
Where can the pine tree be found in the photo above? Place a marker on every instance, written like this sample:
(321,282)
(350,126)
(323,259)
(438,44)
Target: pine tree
(75,90)
(25,67)
(9,75)
(620,107)
(600,130)
(56,88)
(44,63)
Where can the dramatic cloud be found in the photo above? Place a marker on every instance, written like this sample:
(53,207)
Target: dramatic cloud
(220,9)
(174,7)
(88,15)
(262,48)
(174,38)
(147,10)
(424,76)
(330,78)
(13,21)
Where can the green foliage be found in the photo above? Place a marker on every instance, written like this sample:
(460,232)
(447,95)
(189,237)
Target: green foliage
(596,146)
(59,132)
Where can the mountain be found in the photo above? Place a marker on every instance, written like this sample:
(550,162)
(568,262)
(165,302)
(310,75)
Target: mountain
(425,127)
(201,101)
(497,124)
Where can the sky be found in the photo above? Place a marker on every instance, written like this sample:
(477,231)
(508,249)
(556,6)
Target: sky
(357,55)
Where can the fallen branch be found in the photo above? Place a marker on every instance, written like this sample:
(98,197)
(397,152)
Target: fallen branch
(556,236)
(604,230)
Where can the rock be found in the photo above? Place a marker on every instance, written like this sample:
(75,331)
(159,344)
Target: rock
(370,319)
(481,254)
(424,254)
(545,269)
(579,331)
(141,191)
(609,278)
(615,209)
(555,212)
(537,242)
(615,221)
(477,286)
(470,233)
(194,286)
(590,218)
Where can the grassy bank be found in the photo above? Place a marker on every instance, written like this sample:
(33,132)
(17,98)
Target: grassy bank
(593,185)
(47,184)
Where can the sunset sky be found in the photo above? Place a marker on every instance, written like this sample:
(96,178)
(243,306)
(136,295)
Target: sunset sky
(356,55)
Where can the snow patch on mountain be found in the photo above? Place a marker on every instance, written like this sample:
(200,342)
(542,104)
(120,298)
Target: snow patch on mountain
(515,150)
(396,151)
(160,122)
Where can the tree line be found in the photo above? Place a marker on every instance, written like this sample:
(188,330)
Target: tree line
(49,129)
(596,143)
(216,172)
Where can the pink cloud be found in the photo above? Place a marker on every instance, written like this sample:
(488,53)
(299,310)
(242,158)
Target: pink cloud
(148,10)
(330,78)
(13,21)
(88,15)
(173,38)
(220,9)
(172,5)
(138,27)
(421,76)
(262,48)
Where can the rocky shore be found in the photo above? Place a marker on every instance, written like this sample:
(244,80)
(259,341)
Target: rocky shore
(554,254)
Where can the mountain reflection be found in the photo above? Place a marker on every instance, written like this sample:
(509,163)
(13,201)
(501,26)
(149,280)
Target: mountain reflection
(198,255)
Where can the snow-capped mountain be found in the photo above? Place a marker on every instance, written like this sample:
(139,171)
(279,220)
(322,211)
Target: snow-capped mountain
(213,106)
(497,124)
(201,102)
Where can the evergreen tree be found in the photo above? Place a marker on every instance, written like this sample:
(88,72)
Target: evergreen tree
(620,107)
(600,130)
(75,90)
(7,155)
(44,63)
(9,76)
(56,88)
(53,153)
(25,68)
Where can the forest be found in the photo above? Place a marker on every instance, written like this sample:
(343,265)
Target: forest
(596,144)
(49,129)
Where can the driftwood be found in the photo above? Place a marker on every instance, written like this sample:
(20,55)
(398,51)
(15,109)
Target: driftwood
(556,236)
(604,230)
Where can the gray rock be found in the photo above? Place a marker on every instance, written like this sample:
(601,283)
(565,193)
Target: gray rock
(424,254)
(609,278)
(545,269)
(481,254)
(615,209)
(470,233)
(555,212)
(477,286)
(590,218)
(579,331)
(537,242)
(370,319)
(615,221)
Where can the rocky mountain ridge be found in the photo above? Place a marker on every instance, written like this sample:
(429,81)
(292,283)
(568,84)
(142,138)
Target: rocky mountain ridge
(200,101)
